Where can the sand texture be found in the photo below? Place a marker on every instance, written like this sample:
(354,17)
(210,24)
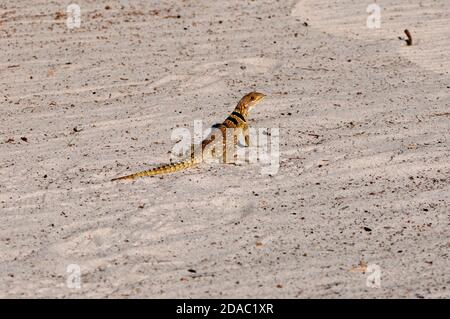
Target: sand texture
(364,176)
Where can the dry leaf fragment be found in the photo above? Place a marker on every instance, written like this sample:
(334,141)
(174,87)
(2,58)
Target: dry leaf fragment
(362,267)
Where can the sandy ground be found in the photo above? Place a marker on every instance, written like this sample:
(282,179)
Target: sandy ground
(364,177)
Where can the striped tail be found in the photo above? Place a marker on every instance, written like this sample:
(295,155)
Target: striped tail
(164,169)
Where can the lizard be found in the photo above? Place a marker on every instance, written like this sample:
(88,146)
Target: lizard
(236,121)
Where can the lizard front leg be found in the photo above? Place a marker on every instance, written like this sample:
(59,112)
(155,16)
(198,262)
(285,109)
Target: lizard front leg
(246,133)
(233,148)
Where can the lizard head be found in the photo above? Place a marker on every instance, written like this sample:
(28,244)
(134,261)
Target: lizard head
(249,101)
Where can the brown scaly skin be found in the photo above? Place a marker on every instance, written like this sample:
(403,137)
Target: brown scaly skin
(237,121)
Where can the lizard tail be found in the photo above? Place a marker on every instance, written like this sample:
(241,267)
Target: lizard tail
(163,169)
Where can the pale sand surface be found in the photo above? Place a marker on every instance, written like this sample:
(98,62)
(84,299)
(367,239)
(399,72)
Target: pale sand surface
(364,142)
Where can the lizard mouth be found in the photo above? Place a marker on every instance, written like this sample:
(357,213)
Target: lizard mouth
(259,97)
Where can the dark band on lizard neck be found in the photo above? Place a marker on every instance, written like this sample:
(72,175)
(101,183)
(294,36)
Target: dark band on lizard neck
(239,115)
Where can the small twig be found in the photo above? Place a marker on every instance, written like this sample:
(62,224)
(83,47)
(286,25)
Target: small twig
(173,17)
(314,69)
(409,40)
(441,114)
(70,144)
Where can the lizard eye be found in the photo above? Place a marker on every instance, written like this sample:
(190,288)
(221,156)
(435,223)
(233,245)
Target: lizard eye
(252,98)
